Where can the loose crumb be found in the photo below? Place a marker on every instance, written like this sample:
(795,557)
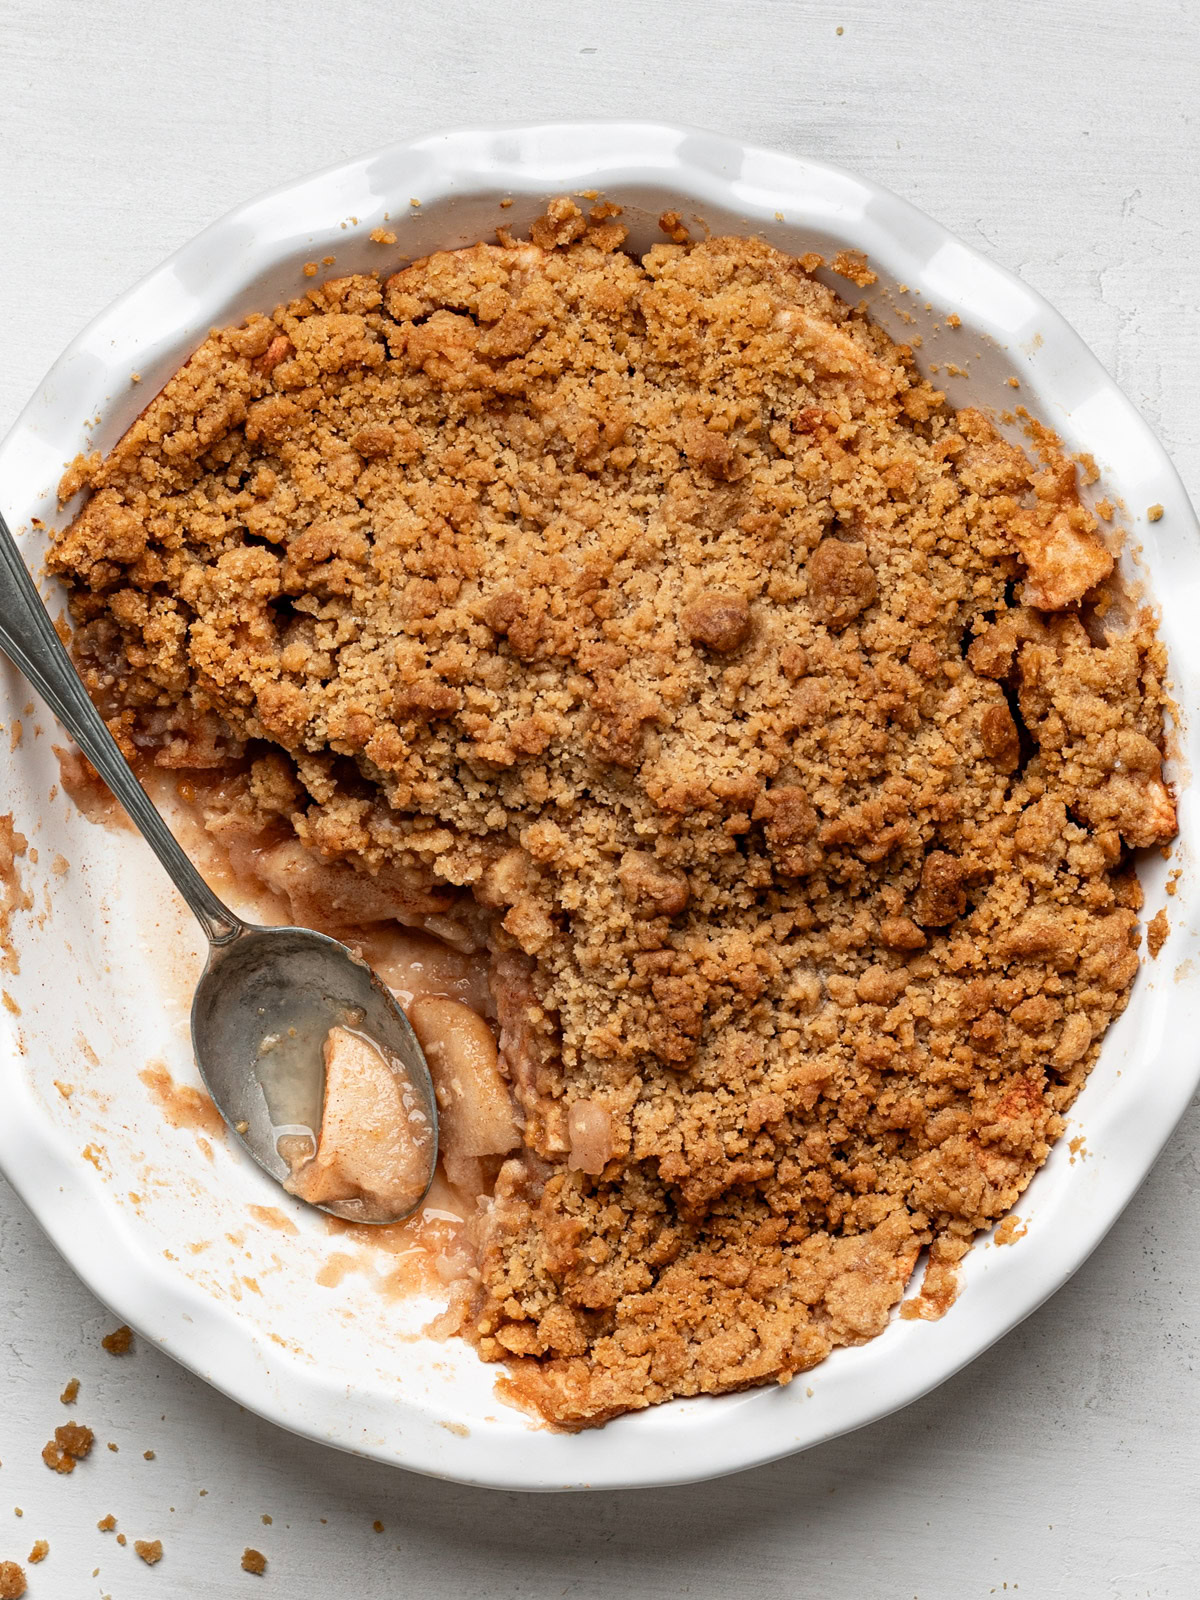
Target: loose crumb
(954,320)
(382,236)
(119,1342)
(150,1550)
(310,269)
(253,1561)
(113,1447)
(71,1443)
(107,1523)
(267,1520)
(12,1581)
(41,1549)
(71,1393)
(148,1455)
(378,1526)
(1157,930)
(1154,513)
(853,265)
(121,1539)
(1011,1229)
(1013,383)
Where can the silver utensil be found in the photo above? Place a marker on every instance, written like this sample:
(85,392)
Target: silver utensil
(260,985)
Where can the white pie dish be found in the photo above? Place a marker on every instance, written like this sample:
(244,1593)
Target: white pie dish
(161,1231)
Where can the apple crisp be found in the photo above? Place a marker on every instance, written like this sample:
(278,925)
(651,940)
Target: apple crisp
(779,734)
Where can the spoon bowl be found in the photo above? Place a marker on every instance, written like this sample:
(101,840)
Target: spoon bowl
(261,1013)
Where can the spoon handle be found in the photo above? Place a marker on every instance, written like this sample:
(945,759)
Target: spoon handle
(28,638)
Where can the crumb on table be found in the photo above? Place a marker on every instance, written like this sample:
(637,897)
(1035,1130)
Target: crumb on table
(71,1393)
(119,1342)
(253,1561)
(12,1581)
(41,1549)
(71,1443)
(150,1550)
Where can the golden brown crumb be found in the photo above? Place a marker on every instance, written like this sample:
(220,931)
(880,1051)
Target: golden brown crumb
(378,1527)
(12,1581)
(150,1550)
(267,1520)
(954,320)
(71,1393)
(41,1549)
(673,226)
(148,1455)
(655,626)
(852,264)
(1011,1229)
(1154,513)
(121,1539)
(113,1447)
(107,1523)
(383,236)
(119,1342)
(71,1443)
(253,1561)
(310,269)
(1157,930)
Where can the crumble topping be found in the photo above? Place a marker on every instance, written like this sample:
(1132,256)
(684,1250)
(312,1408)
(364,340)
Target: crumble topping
(780,733)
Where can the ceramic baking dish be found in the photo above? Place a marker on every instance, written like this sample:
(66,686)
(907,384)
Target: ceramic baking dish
(175,1228)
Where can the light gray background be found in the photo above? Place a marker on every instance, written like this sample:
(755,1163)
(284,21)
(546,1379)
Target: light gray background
(1060,137)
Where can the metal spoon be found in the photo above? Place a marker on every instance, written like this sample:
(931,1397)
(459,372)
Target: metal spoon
(260,985)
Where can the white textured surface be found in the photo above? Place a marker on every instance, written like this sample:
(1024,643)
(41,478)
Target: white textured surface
(1065,1461)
